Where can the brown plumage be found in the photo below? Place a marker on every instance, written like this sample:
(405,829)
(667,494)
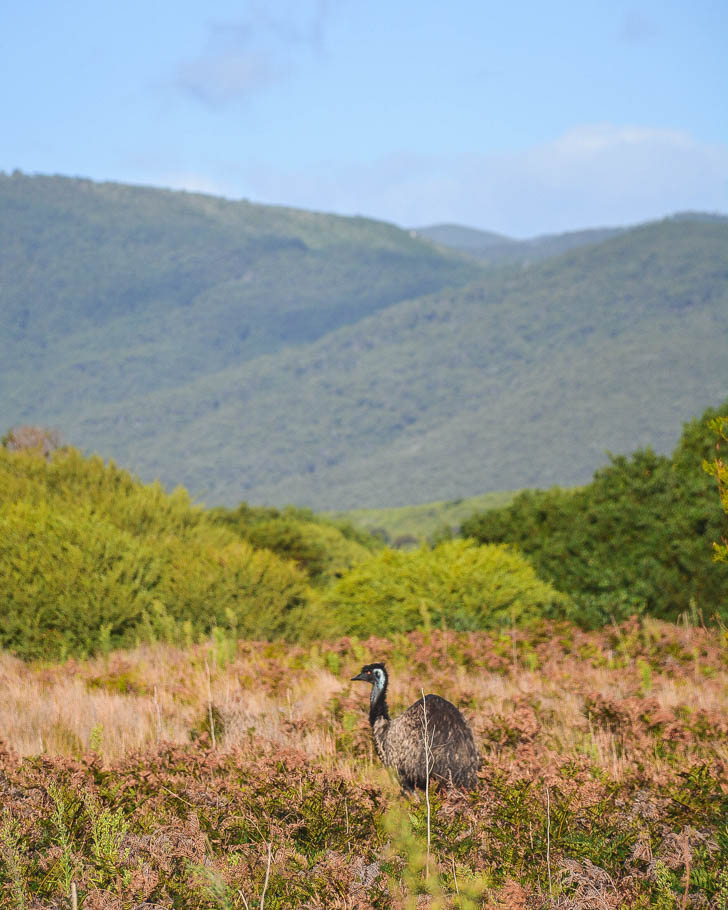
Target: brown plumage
(400,743)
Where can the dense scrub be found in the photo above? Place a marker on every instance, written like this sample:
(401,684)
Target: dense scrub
(456,585)
(94,560)
(91,559)
(718,467)
(604,783)
(638,538)
(322,548)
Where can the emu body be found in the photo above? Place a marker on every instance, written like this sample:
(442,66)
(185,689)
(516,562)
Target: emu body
(400,742)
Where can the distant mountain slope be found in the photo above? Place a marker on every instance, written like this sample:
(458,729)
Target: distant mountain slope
(270,355)
(468,239)
(108,291)
(523,379)
(495,249)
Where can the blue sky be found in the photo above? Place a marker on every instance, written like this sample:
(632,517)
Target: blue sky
(523,118)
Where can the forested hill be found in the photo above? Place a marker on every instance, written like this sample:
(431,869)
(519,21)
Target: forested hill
(114,289)
(496,249)
(270,355)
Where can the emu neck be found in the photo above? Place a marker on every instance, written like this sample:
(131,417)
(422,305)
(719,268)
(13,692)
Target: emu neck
(378,705)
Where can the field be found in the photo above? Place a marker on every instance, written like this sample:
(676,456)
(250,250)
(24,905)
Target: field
(239,775)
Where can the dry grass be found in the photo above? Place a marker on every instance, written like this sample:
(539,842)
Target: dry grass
(603,751)
(128,700)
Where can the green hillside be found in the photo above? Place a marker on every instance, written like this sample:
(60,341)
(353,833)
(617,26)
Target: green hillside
(109,291)
(523,378)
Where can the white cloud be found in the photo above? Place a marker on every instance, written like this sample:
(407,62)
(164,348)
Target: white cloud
(600,174)
(587,140)
(244,56)
(218,79)
(635,28)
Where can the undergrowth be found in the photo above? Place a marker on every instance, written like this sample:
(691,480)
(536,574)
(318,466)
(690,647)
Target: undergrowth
(597,790)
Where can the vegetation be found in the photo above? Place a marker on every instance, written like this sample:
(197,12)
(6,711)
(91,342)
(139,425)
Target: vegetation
(273,356)
(324,549)
(636,539)
(223,759)
(408,526)
(495,249)
(718,468)
(230,772)
(95,560)
(92,559)
(603,785)
(456,585)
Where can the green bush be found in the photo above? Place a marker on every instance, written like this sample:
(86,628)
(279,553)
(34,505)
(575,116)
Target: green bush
(92,559)
(638,538)
(457,585)
(69,478)
(68,580)
(321,548)
(718,468)
(251,592)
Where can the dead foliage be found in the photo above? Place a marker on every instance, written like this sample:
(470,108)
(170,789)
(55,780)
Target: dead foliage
(604,784)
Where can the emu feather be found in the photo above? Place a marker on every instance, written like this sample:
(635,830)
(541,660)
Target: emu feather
(400,744)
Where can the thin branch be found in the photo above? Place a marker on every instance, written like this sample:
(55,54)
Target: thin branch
(177,796)
(209,705)
(686,892)
(428,752)
(159,716)
(548,837)
(267,875)
(454,874)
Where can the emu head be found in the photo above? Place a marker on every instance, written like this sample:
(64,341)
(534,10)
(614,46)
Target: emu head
(376,674)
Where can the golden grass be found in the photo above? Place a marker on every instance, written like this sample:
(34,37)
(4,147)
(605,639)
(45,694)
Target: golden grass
(603,753)
(126,701)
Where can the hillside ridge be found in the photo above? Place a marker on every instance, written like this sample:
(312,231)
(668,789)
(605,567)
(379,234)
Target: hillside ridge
(275,356)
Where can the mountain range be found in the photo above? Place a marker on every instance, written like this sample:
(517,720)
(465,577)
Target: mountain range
(273,355)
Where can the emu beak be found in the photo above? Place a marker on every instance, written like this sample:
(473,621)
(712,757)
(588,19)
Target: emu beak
(362,676)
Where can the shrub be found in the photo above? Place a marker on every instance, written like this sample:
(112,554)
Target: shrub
(457,585)
(718,468)
(637,538)
(92,559)
(319,547)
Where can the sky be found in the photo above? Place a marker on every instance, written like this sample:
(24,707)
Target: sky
(523,118)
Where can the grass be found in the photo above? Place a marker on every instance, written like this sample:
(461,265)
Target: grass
(603,785)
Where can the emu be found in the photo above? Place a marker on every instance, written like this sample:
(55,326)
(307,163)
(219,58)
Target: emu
(400,743)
